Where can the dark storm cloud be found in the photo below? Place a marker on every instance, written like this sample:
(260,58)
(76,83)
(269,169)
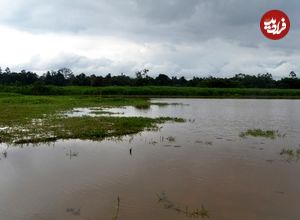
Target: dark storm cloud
(186,23)
(192,19)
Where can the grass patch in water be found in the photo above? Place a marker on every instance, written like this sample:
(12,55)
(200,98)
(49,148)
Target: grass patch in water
(261,133)
(162,104)
(102,112)
(291,154)
(85,128)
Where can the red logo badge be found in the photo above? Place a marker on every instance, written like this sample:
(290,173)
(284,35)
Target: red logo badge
(275,24)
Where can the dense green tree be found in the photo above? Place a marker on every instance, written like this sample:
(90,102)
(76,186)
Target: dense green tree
(7,70)
(293,75)
(163,80)
(65,76)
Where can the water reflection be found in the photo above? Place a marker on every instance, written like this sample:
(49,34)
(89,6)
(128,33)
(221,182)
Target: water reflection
(72,154)
(4,154)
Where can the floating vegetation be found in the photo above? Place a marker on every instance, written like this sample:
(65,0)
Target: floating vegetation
(208,142)
(179,120)
(169,145)
(204,142)
(291,154)
(161,104)
(262,133)
(176,146)
(102,112)
(75,212)
(192,120)
(171,139)
(191,213)
(115,217)
(90,111)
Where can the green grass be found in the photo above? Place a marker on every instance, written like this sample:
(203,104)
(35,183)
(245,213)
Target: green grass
(153,91)
(261,133)
(33,119)
(18,109)
(91,128)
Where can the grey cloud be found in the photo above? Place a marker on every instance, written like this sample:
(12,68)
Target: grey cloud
(77,62)
(151,20)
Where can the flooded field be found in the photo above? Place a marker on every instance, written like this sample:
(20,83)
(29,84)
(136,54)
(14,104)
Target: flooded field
(206,167)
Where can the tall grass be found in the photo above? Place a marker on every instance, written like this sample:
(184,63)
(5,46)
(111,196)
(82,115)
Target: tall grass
(156,91)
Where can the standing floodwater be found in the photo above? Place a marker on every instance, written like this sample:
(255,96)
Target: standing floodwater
(199,168)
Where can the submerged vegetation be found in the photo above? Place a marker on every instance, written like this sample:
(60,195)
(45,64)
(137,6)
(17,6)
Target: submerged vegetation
(262,133)
(171,139)
(73,211)
(291,154)
(115,217)
(191,213)
(33,119)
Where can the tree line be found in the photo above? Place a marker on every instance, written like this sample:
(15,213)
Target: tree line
(65,77)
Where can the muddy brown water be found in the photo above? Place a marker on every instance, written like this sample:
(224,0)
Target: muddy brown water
(207,164)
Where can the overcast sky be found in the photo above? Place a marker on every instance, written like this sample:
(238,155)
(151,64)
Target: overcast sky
(175,37)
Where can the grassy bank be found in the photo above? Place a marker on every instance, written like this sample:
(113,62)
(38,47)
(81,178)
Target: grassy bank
(32,119)
(154,91)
